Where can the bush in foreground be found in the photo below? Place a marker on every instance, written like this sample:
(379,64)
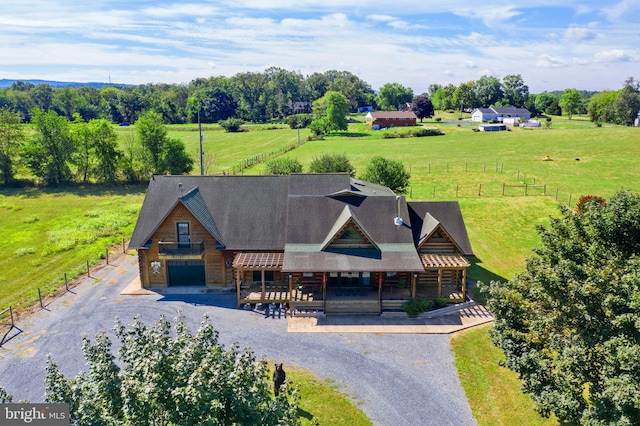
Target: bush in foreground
(166,376)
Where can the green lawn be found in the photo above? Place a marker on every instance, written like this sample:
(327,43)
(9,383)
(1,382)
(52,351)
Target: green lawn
(50,232)
(322,404)
(492,390)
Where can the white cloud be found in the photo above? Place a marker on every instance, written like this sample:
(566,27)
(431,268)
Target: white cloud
(548,61)
(613,55)
(577,33)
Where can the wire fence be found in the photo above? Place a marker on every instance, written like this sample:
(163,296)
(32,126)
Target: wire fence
(441,181)
(9,316)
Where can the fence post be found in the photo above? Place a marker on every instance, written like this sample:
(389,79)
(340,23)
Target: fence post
(66,282)
(479,190)
(556,194)
(11,316)
(88,270)
(107,255)
(525,188)
(569,204)
(124,249)
(502,188)
(456,191)
(40,298)
(434,191)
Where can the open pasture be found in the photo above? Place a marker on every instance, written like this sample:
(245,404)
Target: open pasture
(49,232)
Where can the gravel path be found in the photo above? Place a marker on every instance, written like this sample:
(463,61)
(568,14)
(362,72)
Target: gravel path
(397,379)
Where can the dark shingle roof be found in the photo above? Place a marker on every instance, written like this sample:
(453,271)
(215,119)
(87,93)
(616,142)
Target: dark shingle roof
(297,214)
(427,214)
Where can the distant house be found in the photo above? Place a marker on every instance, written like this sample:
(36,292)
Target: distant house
(300,107)
(325,242)
(499,114)
(406,107)
(381,119)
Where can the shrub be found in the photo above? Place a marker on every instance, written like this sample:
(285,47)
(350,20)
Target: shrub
(439,302)
(415,307)
(231,124)
(24,250)
(283,166)
(438,119)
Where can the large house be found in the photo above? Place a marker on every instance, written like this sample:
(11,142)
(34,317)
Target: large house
(318,241)
(382,119)
(499,114)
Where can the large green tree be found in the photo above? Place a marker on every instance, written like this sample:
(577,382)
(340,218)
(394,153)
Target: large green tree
(569,324)
(627,104)
(600,107)
(464,96)
(164,154)
(570,101)
(514,89)
(50,152)
(390,173)
(392,96)
(105,151)
(165,375)
(488,91)
(333,107)
(12,136)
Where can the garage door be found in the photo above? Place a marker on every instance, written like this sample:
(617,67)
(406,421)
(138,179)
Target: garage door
(186,273)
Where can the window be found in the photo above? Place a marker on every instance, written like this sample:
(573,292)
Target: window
(268,276)
(184,235)
(392,274)
(307,274)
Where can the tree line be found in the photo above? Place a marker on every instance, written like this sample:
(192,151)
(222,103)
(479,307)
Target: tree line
(277,93)
(61,151)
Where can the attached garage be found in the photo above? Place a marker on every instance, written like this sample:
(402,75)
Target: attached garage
(183,273)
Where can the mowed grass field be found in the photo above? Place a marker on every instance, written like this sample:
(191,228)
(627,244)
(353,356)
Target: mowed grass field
(50,232)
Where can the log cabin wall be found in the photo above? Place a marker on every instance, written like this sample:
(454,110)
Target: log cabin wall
(214,259)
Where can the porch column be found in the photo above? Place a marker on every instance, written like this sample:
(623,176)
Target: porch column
(379,285)
(464,284)
(238,285)
(324,286)
(263,293)
(439,282)
(414,284)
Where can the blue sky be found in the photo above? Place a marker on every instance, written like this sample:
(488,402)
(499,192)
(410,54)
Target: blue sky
(554,45)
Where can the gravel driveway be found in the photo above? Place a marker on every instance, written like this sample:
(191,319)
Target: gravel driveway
(397,379)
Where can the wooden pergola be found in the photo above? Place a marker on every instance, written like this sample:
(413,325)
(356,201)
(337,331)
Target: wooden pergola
(257,261)
(446,262)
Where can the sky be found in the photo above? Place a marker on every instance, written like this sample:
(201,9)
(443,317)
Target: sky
(552,44)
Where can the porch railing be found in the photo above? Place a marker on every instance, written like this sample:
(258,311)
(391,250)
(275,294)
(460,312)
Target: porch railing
(180,249)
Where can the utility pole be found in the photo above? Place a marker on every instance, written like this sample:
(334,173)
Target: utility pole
(200,135)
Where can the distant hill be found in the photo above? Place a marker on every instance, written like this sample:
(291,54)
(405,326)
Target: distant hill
(4,83)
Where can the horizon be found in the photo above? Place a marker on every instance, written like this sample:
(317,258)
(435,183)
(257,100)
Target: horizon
(585,45)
